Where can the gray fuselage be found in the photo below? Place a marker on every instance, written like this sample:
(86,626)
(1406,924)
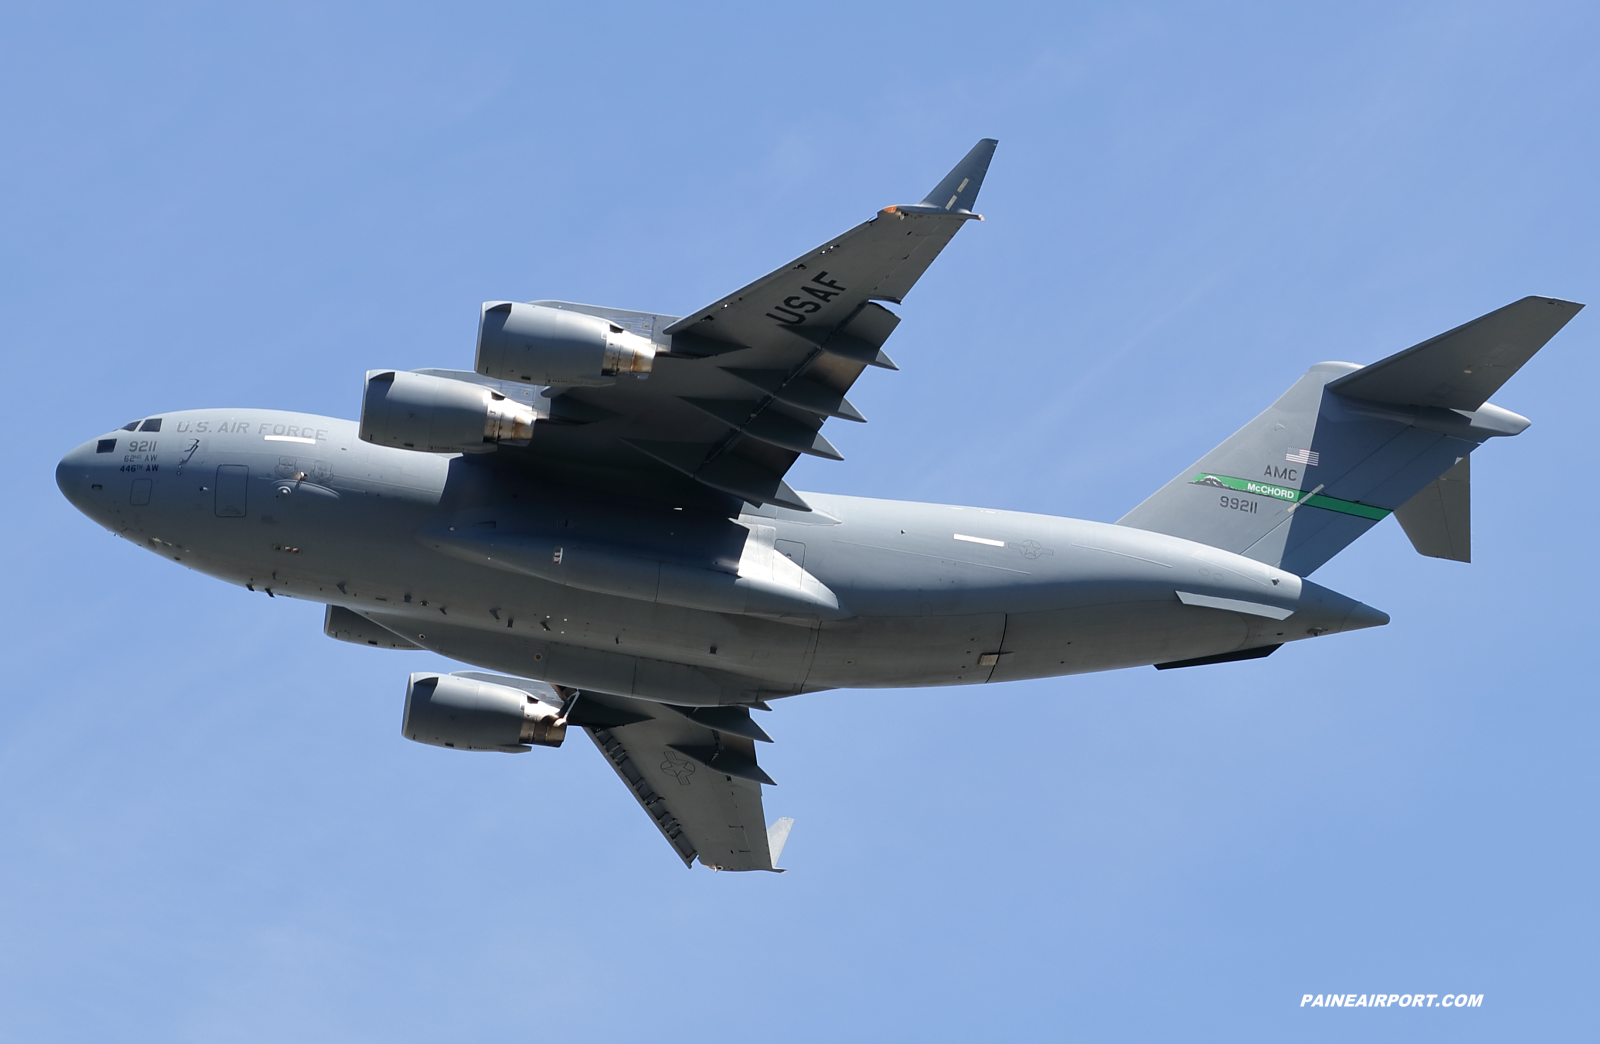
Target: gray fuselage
(296,505)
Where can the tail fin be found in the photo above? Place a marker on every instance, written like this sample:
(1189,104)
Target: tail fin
(1349,445)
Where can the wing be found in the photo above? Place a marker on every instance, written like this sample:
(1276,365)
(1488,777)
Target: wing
(693,771)
(742,387)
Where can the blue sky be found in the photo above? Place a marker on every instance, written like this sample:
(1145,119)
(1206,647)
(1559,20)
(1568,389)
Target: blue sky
(212,828)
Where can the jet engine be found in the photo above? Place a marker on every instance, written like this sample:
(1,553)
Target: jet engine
(542,345)
(439,415)
(445,710)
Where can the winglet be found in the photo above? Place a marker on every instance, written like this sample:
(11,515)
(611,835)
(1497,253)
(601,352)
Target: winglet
(959,190)
(777,837)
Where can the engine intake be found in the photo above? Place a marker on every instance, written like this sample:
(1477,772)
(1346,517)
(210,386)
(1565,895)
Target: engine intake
(438,415)
(542,345)
(444,710)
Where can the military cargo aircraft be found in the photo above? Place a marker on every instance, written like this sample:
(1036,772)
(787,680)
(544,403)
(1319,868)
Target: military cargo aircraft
(596,518)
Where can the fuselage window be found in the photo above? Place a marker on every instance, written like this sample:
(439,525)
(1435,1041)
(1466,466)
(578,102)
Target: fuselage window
(106,446)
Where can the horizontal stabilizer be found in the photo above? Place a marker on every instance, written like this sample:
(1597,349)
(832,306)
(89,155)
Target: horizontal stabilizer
(1439,519)
(1460,369)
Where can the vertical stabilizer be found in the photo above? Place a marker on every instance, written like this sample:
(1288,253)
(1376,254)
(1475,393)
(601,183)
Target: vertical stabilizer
(1348,445)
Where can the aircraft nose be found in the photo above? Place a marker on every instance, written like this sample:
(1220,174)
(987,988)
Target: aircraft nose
(79,479)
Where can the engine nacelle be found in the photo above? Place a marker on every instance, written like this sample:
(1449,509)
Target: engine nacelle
(542,345)
(447,711)
(418,411)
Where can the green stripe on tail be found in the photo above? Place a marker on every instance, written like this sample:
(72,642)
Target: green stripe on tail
(1291,496)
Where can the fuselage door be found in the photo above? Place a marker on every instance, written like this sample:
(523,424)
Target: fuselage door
(233,487)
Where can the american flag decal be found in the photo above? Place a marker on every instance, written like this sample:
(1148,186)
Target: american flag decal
(1307,457)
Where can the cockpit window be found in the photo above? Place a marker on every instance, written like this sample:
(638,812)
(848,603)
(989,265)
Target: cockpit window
(106,446)
(153,424)
(131,426)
